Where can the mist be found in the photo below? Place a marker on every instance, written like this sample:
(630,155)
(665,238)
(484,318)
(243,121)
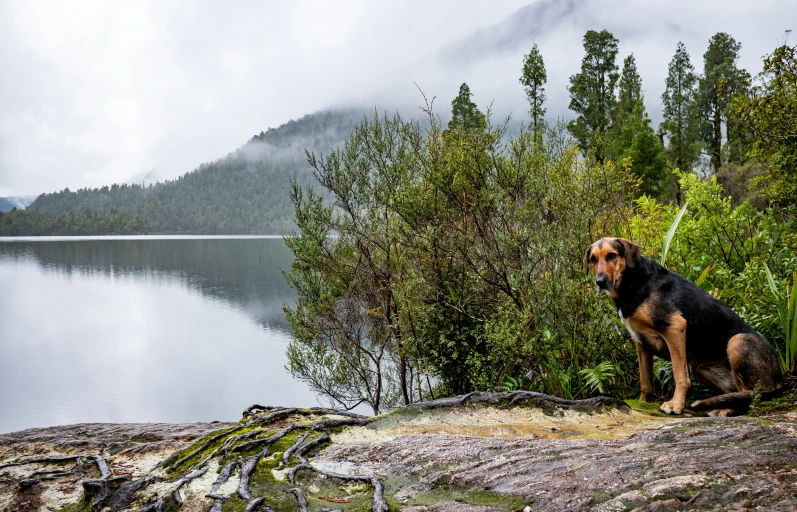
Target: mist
(98,93)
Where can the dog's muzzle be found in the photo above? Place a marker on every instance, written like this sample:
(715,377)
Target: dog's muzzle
(603,282)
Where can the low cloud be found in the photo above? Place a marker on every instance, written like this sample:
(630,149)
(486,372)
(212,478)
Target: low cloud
(99,92)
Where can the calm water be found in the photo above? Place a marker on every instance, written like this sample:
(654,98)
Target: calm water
(173,329)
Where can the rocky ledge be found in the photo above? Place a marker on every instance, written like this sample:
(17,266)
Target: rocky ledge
(484,451)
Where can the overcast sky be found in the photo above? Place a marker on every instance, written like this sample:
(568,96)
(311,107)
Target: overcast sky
(96,92)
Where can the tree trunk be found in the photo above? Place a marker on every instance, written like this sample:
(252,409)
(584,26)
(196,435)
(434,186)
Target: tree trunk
(716,155)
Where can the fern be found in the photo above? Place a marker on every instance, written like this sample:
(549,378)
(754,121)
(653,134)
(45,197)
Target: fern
(595,378)
(662,373)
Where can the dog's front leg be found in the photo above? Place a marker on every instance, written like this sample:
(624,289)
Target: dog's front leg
(645,357)
(675,338)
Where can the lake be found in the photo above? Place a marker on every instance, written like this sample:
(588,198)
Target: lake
(142,329)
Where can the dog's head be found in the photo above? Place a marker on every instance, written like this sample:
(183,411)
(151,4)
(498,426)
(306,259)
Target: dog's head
(608,258)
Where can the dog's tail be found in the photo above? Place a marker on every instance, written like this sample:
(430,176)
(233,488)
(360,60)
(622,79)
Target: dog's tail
(738,400)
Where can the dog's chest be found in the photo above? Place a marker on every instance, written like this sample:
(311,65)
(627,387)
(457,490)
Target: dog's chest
(634,335)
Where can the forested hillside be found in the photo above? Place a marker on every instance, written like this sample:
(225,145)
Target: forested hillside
(245,192)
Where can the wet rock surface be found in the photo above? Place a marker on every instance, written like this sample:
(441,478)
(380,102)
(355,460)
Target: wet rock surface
(472,455)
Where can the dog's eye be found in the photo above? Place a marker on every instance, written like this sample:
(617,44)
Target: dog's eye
(593,260)
(611,256)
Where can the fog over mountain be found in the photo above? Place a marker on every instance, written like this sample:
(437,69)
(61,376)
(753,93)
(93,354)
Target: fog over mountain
(105,92)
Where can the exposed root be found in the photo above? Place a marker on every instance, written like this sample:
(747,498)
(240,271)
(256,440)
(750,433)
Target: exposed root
(255,504)
(309,445)
(246,472)
(258,437)
(199,450)
(287,455)
(44,460)
(105,472)
(176,492)
(157,507)
(379,503)
(300,500)
(224,475)
(268,441)
(252,409)
(514,398)
(123,497)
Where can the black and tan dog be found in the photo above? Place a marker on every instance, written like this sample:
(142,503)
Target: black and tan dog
(669,316)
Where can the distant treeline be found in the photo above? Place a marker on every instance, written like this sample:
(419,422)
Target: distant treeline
(36,223)
(246,192)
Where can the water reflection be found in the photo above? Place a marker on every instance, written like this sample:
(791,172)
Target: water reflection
(142,330)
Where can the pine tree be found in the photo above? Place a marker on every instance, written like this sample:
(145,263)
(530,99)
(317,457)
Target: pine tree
(631,135)
(681,123)
(638,141)
(533,80)
(629,92)
(721,81)
(592,93)
(465,113)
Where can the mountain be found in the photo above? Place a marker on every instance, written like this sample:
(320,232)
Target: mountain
(245,192)
(20,202)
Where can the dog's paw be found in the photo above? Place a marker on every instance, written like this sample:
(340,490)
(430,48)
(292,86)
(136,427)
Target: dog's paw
(647,397)
(722,412)
(671,407)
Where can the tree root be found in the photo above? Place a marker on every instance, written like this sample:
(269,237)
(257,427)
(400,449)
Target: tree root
(255,504)
(210,441)
(224,475)
(287,455)
(157,507)
(515,398)
(300,499)
(44,460)
(379,503)
(113,493)
(185,480)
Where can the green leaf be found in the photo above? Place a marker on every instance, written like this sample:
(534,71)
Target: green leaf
(671,234)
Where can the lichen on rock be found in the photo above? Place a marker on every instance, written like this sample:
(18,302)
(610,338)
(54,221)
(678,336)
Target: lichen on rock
(484,451)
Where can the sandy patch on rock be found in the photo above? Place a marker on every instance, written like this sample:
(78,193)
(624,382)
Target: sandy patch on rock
(519,422)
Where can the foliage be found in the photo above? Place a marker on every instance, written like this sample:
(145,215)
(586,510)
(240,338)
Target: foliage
(31,222)
(464,112)
(681,122)
(592,93)
(662,374)
(629,92)
(248,191)
(533,80)
(785,301)
(595,378)
(520,383)
(769,112)
(458,258)
(671,234)
(722,80)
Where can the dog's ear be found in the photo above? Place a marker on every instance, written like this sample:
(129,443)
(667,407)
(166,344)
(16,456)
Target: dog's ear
(631,252)
(586,256)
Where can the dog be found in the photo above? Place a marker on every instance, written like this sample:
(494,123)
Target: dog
(671,317)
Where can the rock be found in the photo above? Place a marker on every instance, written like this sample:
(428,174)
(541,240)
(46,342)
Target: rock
(459,455)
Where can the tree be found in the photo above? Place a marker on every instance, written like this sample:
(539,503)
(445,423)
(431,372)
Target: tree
(721,81)
(631,136)
(681,123)
(770,113)
(629,92)
(533,80)
(639,142)
(592,93)
(464,112)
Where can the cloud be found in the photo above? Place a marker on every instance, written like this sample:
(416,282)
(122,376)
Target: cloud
(96,92)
